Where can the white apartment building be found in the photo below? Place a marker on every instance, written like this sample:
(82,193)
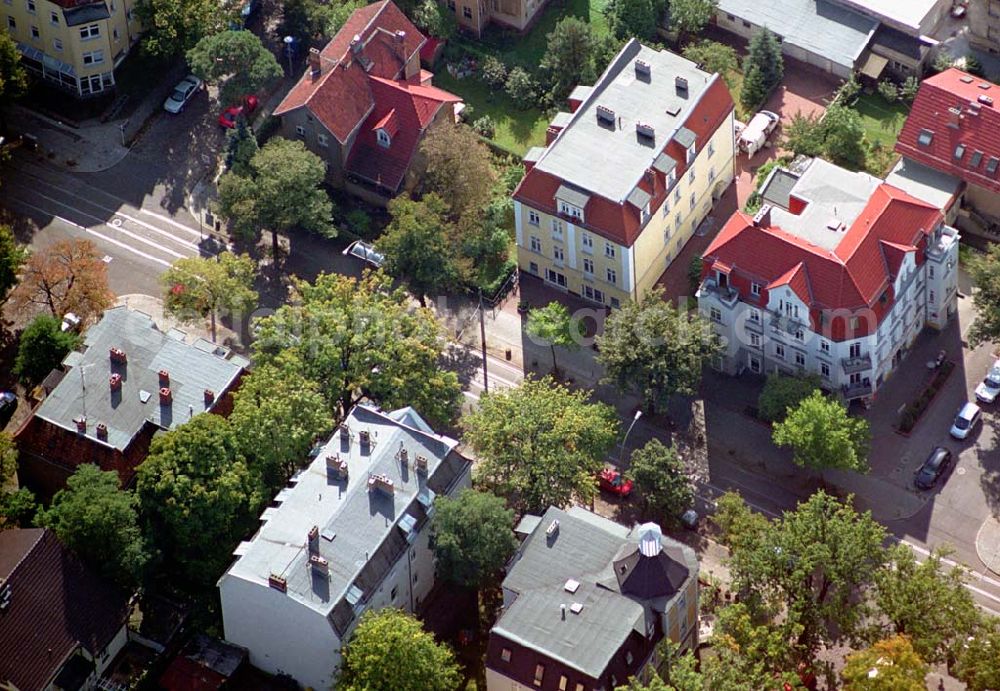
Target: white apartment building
(350,533)
(836,275)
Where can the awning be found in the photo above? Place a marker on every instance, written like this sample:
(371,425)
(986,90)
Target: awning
(873,65)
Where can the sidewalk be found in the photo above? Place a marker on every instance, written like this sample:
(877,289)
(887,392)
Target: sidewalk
(988,544)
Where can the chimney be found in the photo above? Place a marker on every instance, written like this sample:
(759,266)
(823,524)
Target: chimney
(102,431)
(115,380)
(337,466)
(356,44)
(315,66)
(277,582)
(164,377)
(165,395)
(313,543)
(81,424)
(955,117)
(421,464)
(400,36)
(643,70)
(345,433)
(319,563)
(562,610)
(404,456)
(763,217)
(364,438)
(381,482)
(209,397)
(682,86)
(118,356)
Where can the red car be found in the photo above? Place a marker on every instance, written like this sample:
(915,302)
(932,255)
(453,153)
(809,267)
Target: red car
(612,481)
(231,114)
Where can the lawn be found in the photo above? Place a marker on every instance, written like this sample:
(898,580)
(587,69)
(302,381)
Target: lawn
(882,120)
(517,130)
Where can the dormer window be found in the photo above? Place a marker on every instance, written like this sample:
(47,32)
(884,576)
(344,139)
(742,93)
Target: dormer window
(925,138)
(384,140)
(691,153)
(959,152)
(570,210)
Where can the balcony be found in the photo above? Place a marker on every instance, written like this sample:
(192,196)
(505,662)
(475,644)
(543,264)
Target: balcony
(725,294)
(858,390)
(853,365)
(789,325)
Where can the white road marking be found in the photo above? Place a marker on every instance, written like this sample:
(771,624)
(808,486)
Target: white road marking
(176,224)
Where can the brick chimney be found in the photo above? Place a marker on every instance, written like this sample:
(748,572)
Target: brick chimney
(102,431)
(118,356)
(763,217)
(313,542)
(115,380)
(315,64)
(164,377)
(81,424)
(955,117)
(209,397)
(166,396)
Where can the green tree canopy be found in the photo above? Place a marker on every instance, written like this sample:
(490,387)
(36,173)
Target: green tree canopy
(277,415)
(691,16)
(390,651)
(750,654)
(459,170)
(804,135)
(17,508)
(357,339)
(763,69)
(681,672)
(241,145)
(196,287)
(661,480)
(656,350)
(473,537)
(633,18)
(172,27)
(985,272)
(434,20)
(419,246)
(304,19)
(844,136)
(236,61)
(98,520)
(714,57)
(197,497)
(8,460)
(569,56)
(520,87)
(13,75)
(823,435)
(554,325)
(42,347)
(12,258)
(977,661)
(888,665)
(782,392)
(540,444)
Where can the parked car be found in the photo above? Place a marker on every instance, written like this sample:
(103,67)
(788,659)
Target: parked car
(968,417)
(751,138)
(933,468)
(987,391)
(612,481)
(185,89)
(70,322)
(8,404)
(230,115)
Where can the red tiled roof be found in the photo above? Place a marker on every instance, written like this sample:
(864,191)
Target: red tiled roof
(409,109)
(340,96)
(978,127)
(620,221)
(852,276)
(56,604)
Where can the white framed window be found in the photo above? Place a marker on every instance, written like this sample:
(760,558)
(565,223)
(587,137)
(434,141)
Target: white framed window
(113,8)
(854,350)
(691,177)
(711,151)
(930,271)
(693,200)
(800,359)
(755,315)
(824,369)
(384,140)
(536,244)
(671,178)
(714,314)
(570,210)
(30,6)
(563,681)
(612,276)
(677,195)
(35,33)
(824,346)
(755,340)
(588,243)
(300,130)
(755,289)
(11,24)
(533,217)
(677,222)
(588,266)
(666,235)
(89,32)
(711,174)
(645,213)
(557,228)
(54,18)
(665,208)
(779,351)
(930,295)
(57,44)
(93,57)
(505,654)
(691,153)
(609,250)
(539,674)
(557,254)
(533,268)
(321,139)
(799,335)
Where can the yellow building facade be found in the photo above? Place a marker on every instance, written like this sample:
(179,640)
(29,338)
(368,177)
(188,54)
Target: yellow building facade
(73,46)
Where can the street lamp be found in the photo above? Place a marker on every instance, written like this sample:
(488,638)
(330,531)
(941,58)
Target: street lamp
(289,42)
(621,456)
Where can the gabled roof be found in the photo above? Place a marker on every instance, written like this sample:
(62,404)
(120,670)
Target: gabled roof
(955,109)
(56,603)
(339,96)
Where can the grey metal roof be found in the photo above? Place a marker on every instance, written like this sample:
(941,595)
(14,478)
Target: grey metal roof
(639,198)
(664,163)
(533,154)
(818,26)
(929,185)
(833,194)
(609,160)
(583,549)
(685,137)
(86,391)
(572,195)
(561,119)
(94,12)
(777,187)
(580,92)
(361,531)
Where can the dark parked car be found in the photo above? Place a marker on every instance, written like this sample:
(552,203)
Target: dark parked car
(8,404)
(933,468)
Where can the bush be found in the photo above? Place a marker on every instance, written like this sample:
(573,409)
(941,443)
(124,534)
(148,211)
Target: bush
(485,127)
(43,346)
(888,91)
(268,127)
(359,222)
(493,72)
(909,88)
(520,87)
(694,273)
(849,91)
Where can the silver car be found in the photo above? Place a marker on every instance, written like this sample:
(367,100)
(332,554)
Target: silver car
(988,389)
(968,417)
(182,93)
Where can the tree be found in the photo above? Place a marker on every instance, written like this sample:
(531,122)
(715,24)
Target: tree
(431,17)
(632,18)
(459,169)
(390,651)
(782,392)
(197,497)
(985,272)
(909,88)
(98,520)
(925,602)
(741,529)
(691,16)
(235,60)
(283,191)
(656,350)
(8,460)
(822,435)
(662,479)
(66,276)
(749,653)
(569,56)
(17,509)
(889,665)
(888,90)
(199,287)
(681,672)
(13,75)
(493,72)
(765,66)
(358,339)
(554,325)
(540,444)
(277,416)
(473,537)
(337,14)
(977,661)
(303,19)
(844,136)
(714,57)
(241,145)
(42,347)
(944,60)
(172,27)
(12,255)
(418,245)
(520,87)
(804,135)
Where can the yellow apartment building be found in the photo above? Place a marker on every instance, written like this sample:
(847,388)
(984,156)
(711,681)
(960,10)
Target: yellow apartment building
(474,15)
(75,46)
(626,177)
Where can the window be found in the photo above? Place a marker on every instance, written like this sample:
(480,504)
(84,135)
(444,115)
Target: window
(714,314)
(612,276)
(89,32)
(11,24)
(533,218)
(555,277)
(416,576)
(677,195)
(557,254)
(94,57)
(533,268)
(959,152)
(579,687)
(711,174)
(645,213)
(30,5)
(570,210)
(755,289)
(57,44)
(594,294)
(628,657)
(505,654)
(694,201)
(394,593)
(563,681)
(384,140)
(824,346)
(691,153)
(855,350)
(930,271)
(665,209)
(691,177)
(609,250)
(925,138)
(536,244)
(300,130)
(730,17)
(991,165)
(321,139)
(677,222)
(711,149)
(539,674)
(557,228)
(114,34)
(588,243)
(779,351)
(671,179)
(799,335)
(755,315)
(467,12)
(824,369)
(746,24)
(977,158)
(54,18)
(616,303)
(755,340)
(35,33)
(800,359)
(855,323)
(588,266)
(930,295)
(113,6)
